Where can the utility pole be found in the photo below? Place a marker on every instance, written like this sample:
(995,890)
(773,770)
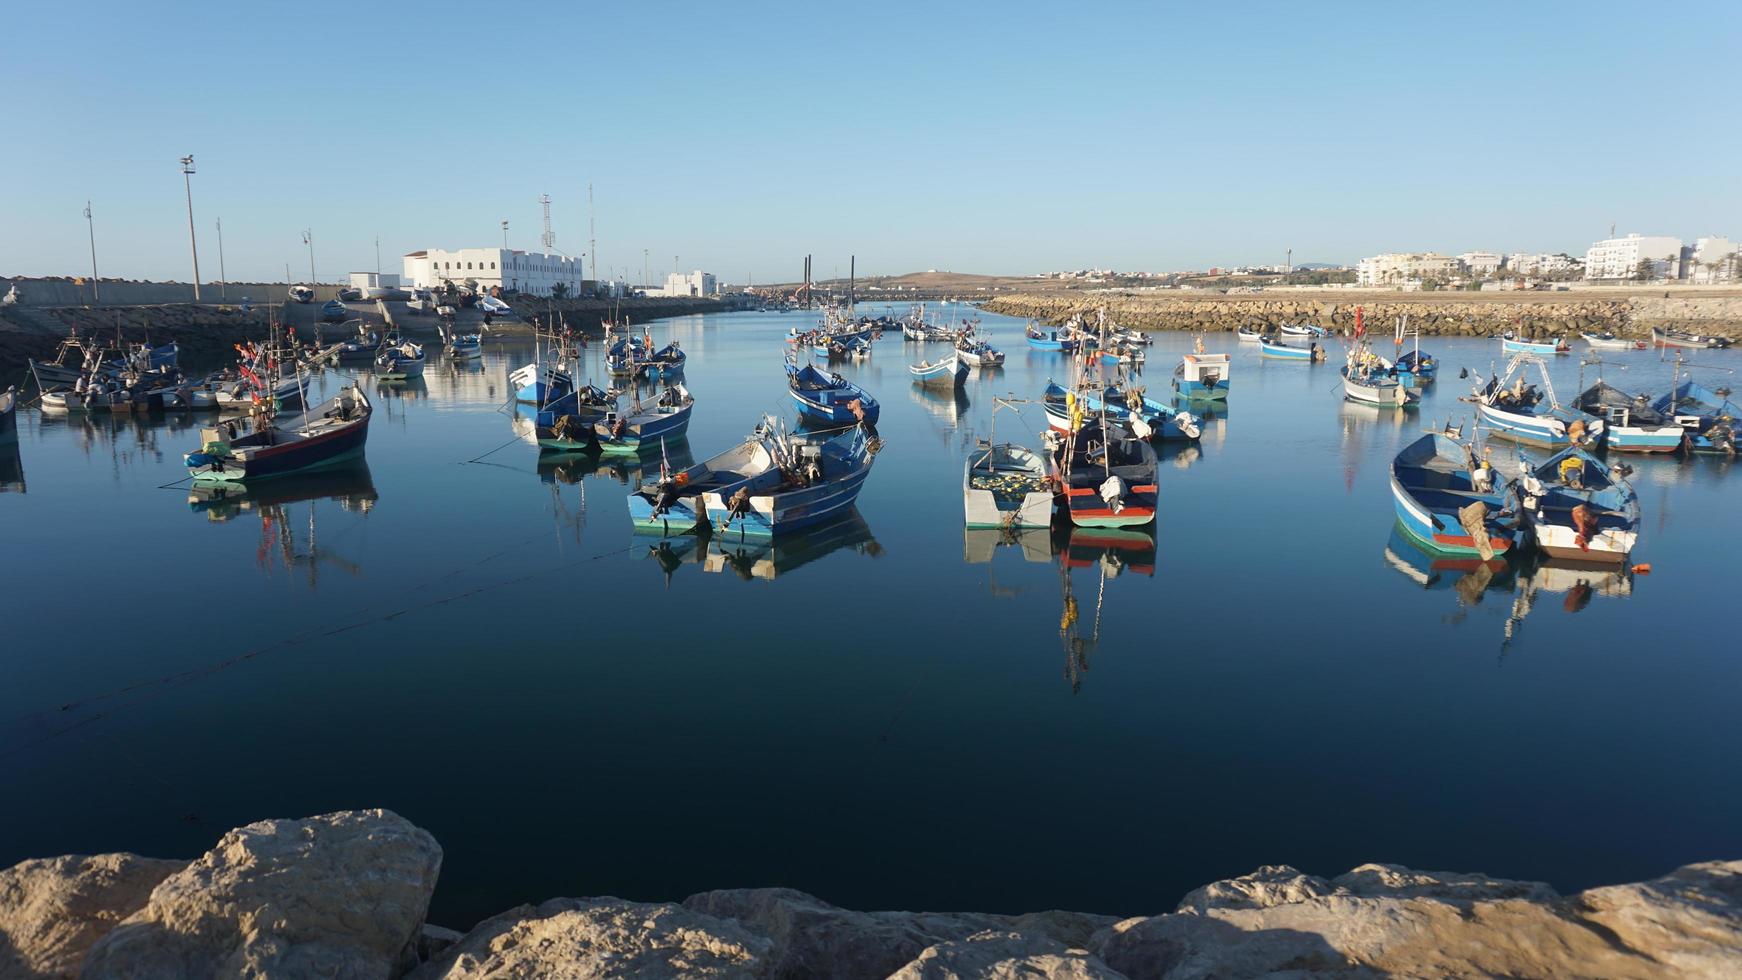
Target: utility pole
(1288,266)
(504,234)
(549,239)
(644,268)
(308,238)
(187,171)
(377,260)
(223,277)
(592,231)
(92,228)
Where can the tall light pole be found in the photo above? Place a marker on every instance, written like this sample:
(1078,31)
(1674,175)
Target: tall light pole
(92,228)
(187,171)
(308,238)
(504,234)
(643,268)
(223,277)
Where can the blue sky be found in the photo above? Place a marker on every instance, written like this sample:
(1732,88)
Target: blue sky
(1008,138)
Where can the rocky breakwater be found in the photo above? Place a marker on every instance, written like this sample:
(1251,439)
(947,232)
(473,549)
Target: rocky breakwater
(1532,314)
(345,895)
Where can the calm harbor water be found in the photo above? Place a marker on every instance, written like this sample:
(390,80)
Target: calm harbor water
(882,712)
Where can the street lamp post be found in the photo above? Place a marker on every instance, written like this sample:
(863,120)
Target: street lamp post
(308,238)
(92,228)
(187,171)
(223,277)
(504,234)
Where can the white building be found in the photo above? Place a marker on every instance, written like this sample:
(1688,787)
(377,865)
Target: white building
(1481,264)
(1618,258)
(1715,259)
(509,268)
(1539,263)
(697,283)
(373,284)
(1396,268)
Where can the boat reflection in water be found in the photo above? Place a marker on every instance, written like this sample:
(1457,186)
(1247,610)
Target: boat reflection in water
(670,553)
(11,469)
(1576,582)
(1363,415)
(979,544)
(771,558)
(1111,552)
(1468,575)
(351,487)
(948,405)
(629,470)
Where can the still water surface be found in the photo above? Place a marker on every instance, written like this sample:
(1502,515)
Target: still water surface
(883,712)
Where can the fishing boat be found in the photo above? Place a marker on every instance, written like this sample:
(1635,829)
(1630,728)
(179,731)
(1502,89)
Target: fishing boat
(1129,407)
(859,350)
(1204,376)
(419,302)
(1608,341)
(1709,420)
(1450,501)
(246,390)
(1269,348)
(1516,409)
(1417,368)
(334,311)
(1249,335)
(1511,343)
(542,382)
(1666,337)
(1052,340)
(9,415)
(1303,330)
(948,372)
(829,398)
(1367,379)
(645,425)
(262,446)
(461,346)
(1577,508)
(1005,485)
(672,504)
(301,294)
(1630,424)
(494,308)
(363,346)
(820,479)
(1108,475)
(667,362)
(978,353)
(401,361)
(1118,354)
(118,395)
(567,423)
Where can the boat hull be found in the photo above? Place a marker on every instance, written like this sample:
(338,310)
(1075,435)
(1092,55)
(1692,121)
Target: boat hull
(1450,538)
(1285,353)
(299,457)
(1640,439)
(1531,347)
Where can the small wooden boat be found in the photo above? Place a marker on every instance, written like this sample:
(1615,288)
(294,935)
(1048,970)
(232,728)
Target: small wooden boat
(334,311)
(1449,501)
(1665,337)
(1577,508)
(397,363)
(1269,348)
(820,479)
(667,362)
(541,385)
(829,398)
(1516,409)
(645,425)
(672,504)
(948,372)
(567,423)
(1005,485)
(1608,341)
(1204,376)
(9,415)
(1108,476)
(1129,407)
(1709,420)
(242,393)
(1510,343)
(461,346)
(1249,335)
(494,309)
(262,446)
(1112,355)
(978,353)
(1630,424)
(1301,331)
(1051,340)
(1417,368)
(1368,379)
(301,294)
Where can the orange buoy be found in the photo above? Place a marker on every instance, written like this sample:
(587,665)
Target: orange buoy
(1644,569)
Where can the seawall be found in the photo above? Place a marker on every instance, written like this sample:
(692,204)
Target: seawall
(1630,314)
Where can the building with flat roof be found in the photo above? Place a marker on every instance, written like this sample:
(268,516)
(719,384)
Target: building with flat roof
(1619,258)
(513,270)
(1397,268)
(1539,263)
(1481,263)
(1715,259)
(697,283)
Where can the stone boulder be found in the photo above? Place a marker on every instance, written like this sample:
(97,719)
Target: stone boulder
(336,896)
(1005,956)
(1384,920)
(53,910)
(604,938)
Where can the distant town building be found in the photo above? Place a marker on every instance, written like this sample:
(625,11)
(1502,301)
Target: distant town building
(1481,264)
(697,283)
(1397,268)
(512,269)
(1619,258)
(1715,259)
(374,284)
(1540,263)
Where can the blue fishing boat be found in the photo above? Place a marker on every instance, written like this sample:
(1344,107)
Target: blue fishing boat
(1369,379)
(1577,508)
(820,480)
(672,504)
(1303,330)
(829,398)
(333,311)
(9,415)
(1523,412)
(1449,501)
(1630,423)
(1416,368)
(667,362)
(1108,476)
(948,372)
(645,425)
(399,362)
(979,353)
(541,384)
(1511,343)
(566,424)
(1203,376)
(1146,417)
(1708,418)
(1266,348)
(627,358)
(1052,340)
(242,449)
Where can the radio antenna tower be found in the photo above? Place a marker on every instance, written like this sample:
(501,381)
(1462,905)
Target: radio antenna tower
(549,238)
(592,232)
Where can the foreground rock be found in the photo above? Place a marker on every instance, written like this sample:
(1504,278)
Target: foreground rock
(1381,920)
(603,937)
(52,911)
(1005,956)
(340,895)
